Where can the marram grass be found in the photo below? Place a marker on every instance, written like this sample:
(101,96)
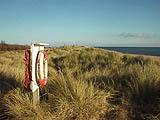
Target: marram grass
(84,83)
(78,99)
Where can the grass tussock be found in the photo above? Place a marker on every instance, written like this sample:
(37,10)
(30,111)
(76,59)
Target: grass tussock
(18,106)
(84,83)
(77,99)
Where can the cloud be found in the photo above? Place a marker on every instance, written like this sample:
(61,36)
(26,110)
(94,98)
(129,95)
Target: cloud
(135,35)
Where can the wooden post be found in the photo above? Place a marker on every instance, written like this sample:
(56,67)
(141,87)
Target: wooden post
(35,48)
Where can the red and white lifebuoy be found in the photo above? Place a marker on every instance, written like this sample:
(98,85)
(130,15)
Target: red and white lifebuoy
(42,68)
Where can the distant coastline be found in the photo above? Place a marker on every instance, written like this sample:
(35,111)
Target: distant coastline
(151,51)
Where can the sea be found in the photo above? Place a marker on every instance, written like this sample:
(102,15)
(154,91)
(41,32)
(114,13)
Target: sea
(151,51)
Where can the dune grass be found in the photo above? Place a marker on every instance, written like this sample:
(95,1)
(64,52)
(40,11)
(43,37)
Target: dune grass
(84,83)
(76,98)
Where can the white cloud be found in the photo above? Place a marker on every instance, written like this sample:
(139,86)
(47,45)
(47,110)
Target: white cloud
(135,35)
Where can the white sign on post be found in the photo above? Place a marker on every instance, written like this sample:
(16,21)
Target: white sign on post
(35,48)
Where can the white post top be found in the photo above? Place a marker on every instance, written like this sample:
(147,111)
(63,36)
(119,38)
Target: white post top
(39,44)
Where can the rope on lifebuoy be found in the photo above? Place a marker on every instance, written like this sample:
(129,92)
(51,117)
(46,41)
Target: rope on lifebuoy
(28,77)
(42,68)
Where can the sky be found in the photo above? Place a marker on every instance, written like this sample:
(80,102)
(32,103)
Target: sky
(122,23)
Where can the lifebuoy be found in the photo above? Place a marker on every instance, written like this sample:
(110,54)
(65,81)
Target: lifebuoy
(42,68)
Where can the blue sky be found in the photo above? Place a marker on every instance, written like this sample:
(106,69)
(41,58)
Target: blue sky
(82,22)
